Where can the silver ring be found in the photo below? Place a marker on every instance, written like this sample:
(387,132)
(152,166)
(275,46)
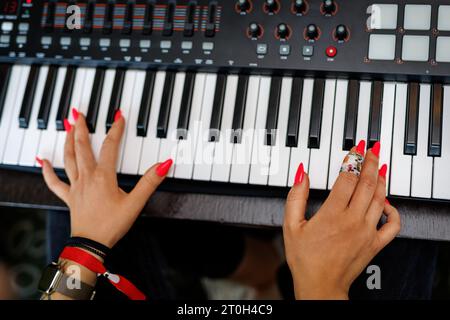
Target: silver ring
(352,163)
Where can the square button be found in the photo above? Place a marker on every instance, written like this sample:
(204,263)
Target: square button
(443,49)
(415,48)
(417,17)
(285,50)
(444,18)
(261,48)
(382,16)
(307,51)
(382,47)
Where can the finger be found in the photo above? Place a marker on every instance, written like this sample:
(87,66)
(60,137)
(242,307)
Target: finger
(58,187)
(391,228)
(109,153)
(376,207)
(70,162)
(296,202)
(148,183)
(345,184)
(367,183)
(83,151)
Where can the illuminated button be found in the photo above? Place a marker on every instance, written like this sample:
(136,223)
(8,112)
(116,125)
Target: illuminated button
(443,18)
(417,17)
(125,43)
(7,26)
(21,39)
(415,48)
(443,49)
(165,44)
(261,48)
(5,39)
(331,52)
(105,42)
(186,45)
(46,41)
(85,42)
(145,44)
(65,41)
(307,51)
(382,47)
(382,16)
(285,50)
(208,46)
(24,27)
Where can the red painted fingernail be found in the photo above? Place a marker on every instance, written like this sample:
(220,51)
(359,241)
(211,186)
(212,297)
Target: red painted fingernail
(361,147)
(382,171)
(387,202)
(75,114)
(164,167)
(299,174)
(117,115)
(67,125)
(376,148)
(40,161)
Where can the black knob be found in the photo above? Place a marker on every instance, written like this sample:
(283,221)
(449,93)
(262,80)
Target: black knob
(329,6)
(283,31)
(299,6)
(341,32)
(312,32)
(254,30)
(243,5)
(271,6)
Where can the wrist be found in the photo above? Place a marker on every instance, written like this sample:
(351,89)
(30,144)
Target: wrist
(320,290)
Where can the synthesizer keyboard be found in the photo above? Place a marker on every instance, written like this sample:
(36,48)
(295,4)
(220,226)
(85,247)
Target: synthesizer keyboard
(238,93)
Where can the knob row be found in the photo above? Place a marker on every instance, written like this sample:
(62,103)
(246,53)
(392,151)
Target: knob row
(328,7)
(312,31)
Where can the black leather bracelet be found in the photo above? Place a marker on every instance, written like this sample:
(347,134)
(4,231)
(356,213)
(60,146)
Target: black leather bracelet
(87,244)
(87,248)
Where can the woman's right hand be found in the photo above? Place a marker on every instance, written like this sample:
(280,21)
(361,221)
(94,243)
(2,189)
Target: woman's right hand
(99,209)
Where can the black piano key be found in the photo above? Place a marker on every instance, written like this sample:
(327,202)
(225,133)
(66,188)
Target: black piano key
(66,95)
(376,109)
(89,17)
(94,102)
(239,109)
(116,97)
(351,115)
(168,23)
(148,18)
(189,21)
(128,20)
(295,110)
(47,97)
(27,103)
(186,105)
(412,119)
(166,103)
(108,20)
(50,18)
(272,110)
(146,103)
(217,111)
(315,124)
(5,73)
(435,130)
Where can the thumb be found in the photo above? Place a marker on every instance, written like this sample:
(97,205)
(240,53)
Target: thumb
(297,200)
(148,184)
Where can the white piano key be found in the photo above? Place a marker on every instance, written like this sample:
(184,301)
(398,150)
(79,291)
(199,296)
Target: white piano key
(49,136)
(387,118)
(32,133)
(401,164)
(133,143)
(150,147)
(77,92)
(260,164)
(337,152)
(125,107)
(301,153)
(83,105)
(168,145)
(319,158)
(204,152)
(100,128)
(441,173)
(362,126)
(224,148)
(8,109)
(422,165)
(15,134)
(240,165)
(184,160)
(280,154)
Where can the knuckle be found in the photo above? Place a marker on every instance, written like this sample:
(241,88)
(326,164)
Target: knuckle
(349,178)
(368,182)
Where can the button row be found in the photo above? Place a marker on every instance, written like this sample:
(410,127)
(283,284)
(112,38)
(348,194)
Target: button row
(285,50)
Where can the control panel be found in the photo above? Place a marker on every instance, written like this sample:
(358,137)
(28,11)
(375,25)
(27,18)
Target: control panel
(390,39)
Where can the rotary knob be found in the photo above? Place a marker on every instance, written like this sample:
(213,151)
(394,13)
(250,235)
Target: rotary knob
(283,31)
(329,7)
(341,33)
(243,5)
(254,30)
(299,6)
(271,6)
(312,32)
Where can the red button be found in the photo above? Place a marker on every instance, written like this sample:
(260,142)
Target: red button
(331,51)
